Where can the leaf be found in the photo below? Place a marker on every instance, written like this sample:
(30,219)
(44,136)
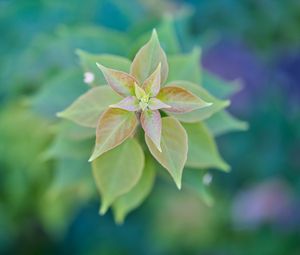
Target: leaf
(64,147)
(139,92)
(131,200)
(118,171)
(75,132)
(58,93)
(203,113)
(86,110)
(223,122)
(174,145)
(130,103)
(203,152)
(180,100)
(152,84)
(148,58)
(119,81)
(219,87)
(151,123)
(113,128)
(156,104)
(88,62)
(185,67)
(167,34)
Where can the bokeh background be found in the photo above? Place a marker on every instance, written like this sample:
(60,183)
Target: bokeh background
(257,205)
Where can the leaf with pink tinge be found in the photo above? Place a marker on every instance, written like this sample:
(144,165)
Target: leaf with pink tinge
(86,109)
(129,104)
(152,84)
(113,128)
(147,59)
(174,145)
(180,100)
(120,82)
(151,123)
(156,104)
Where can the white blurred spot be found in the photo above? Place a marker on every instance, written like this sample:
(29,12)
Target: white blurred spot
(207,178)
(88,77)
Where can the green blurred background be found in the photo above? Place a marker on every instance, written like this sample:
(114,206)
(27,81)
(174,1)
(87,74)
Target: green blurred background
(48,206)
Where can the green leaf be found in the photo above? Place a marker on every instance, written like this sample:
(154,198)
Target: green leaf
(67,148)
(73,131)
(119,81)
(147,60)
(167,35)
(113,128)
(185,67)
(151,123)
(88,62)
(117,171)
(131,200)
(58,93)
(180,99)
(174,145)
(223,122)
(86,110)
(203,113)
(219,87)
(203,152)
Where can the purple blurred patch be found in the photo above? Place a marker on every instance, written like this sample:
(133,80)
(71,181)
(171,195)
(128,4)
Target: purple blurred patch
(231,60)
(268,202)
(288,72)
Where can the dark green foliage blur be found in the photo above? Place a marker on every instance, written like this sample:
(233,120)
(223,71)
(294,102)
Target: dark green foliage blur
(48,203)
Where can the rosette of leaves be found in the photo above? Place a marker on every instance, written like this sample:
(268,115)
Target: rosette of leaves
(140,116)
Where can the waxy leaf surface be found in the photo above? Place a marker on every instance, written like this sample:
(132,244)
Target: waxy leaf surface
(86,110)
(131,200)
(117,171)
(174,145)
(180,100)
(130,103)
(151,123)
(155,104)
(203,152)
(120,82)
(202,113)
(147,60)
(114,127)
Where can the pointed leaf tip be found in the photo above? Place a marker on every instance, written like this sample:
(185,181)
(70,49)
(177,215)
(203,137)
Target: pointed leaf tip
(86,110)
(147,59)
(174,151)
(103,209)
(114,127)
(180,100)
(113,180)
(119,81)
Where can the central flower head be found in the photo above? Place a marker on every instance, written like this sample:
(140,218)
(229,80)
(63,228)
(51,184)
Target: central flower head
(144,102)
